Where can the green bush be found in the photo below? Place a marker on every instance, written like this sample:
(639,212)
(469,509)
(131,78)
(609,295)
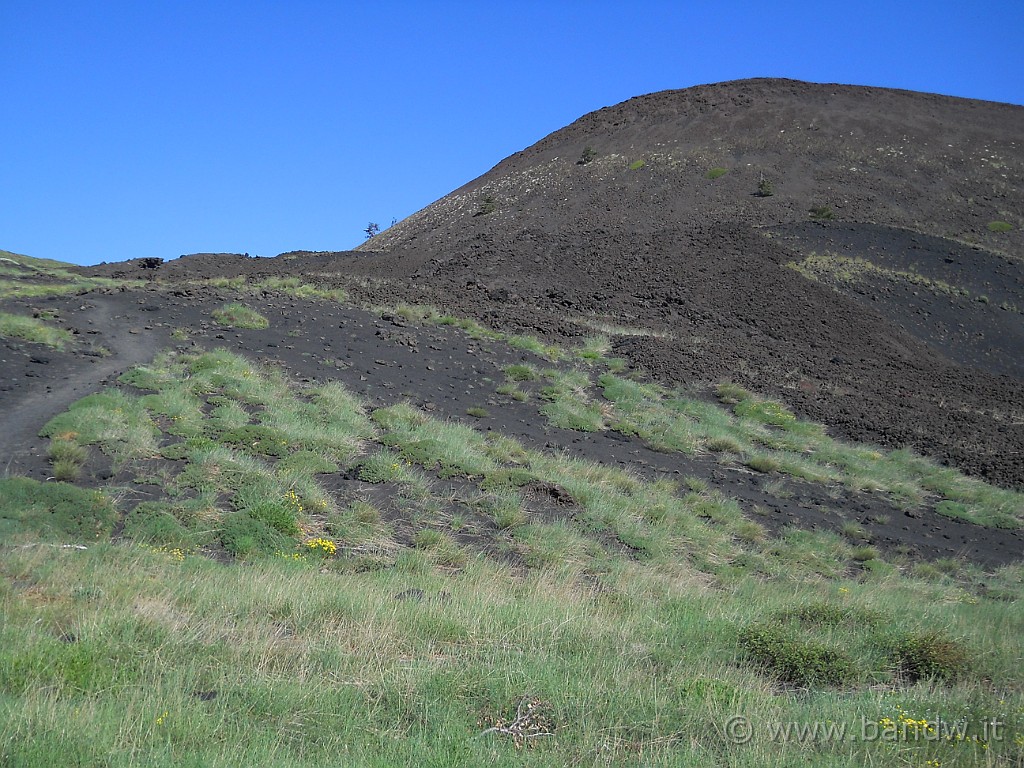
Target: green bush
(487,206)
(382,467)
(715,173)
(66,471)
(822,213)
(54,508)
(587,157)
(999,226)
(67,450)
(730,393)
(155,522)
(929,654)
(831,615)
(245,536)
(793,660)
(765,188)
(279,515)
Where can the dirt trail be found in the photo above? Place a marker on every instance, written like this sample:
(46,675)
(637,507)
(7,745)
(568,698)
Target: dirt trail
(28,407)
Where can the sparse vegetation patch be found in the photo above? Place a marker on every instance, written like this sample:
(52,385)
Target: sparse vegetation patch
(238,315)
(34,330)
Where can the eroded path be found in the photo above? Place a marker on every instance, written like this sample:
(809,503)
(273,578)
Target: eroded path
(112,335)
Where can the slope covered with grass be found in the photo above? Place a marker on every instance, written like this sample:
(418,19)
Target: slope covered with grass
(319,581)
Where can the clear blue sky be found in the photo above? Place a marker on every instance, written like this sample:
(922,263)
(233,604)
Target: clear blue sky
(155,128)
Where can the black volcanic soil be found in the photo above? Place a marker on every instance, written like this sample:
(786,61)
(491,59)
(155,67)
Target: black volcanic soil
(644,237)
(641,236)
(440,369)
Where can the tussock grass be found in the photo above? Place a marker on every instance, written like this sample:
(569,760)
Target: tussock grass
(832,267)
(34,330)
(569,403)
(34,277)
(770,438)
(237,315)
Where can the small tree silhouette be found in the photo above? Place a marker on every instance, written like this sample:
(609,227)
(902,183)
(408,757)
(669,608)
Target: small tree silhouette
(371,229)
(765,188)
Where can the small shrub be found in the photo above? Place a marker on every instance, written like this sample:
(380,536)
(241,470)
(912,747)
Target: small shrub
(929,655)
(793,660)
(487,206)
(764,411)
(832,615)
(54,508)
(477,413)
(822,213)
(256,438)
(245,536)
(852,530)
(428,538)
(999,226)
(763,463)
(765,188)
(731,394)
(637,165)
(587,157)
(723,444)
(67,450)
(864,554)
(715,173)
(155,522)
(521,373)
(237,315)
(277,515)
(382,467)
(66,471)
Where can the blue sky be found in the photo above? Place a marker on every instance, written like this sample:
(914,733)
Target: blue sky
(156,128)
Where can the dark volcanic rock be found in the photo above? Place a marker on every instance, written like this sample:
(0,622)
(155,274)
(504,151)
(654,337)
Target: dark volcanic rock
(642,235)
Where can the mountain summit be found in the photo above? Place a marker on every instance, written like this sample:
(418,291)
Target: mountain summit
(854,250)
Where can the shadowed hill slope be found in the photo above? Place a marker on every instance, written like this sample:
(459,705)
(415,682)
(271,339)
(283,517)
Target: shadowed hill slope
(663,228)
(868,290)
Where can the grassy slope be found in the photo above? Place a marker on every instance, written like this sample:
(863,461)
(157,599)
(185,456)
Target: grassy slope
(630,631)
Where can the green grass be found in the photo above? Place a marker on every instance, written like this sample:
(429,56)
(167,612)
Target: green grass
(250,445)
(294,286)
(1000,226)
(237,315)
(34,330)
(33,278)
(716,173)
(118,655)
(850,270)
(536,346)
(761,434)
(636,165)
(769,438)
(53,510)
(569,404)
(631,619)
